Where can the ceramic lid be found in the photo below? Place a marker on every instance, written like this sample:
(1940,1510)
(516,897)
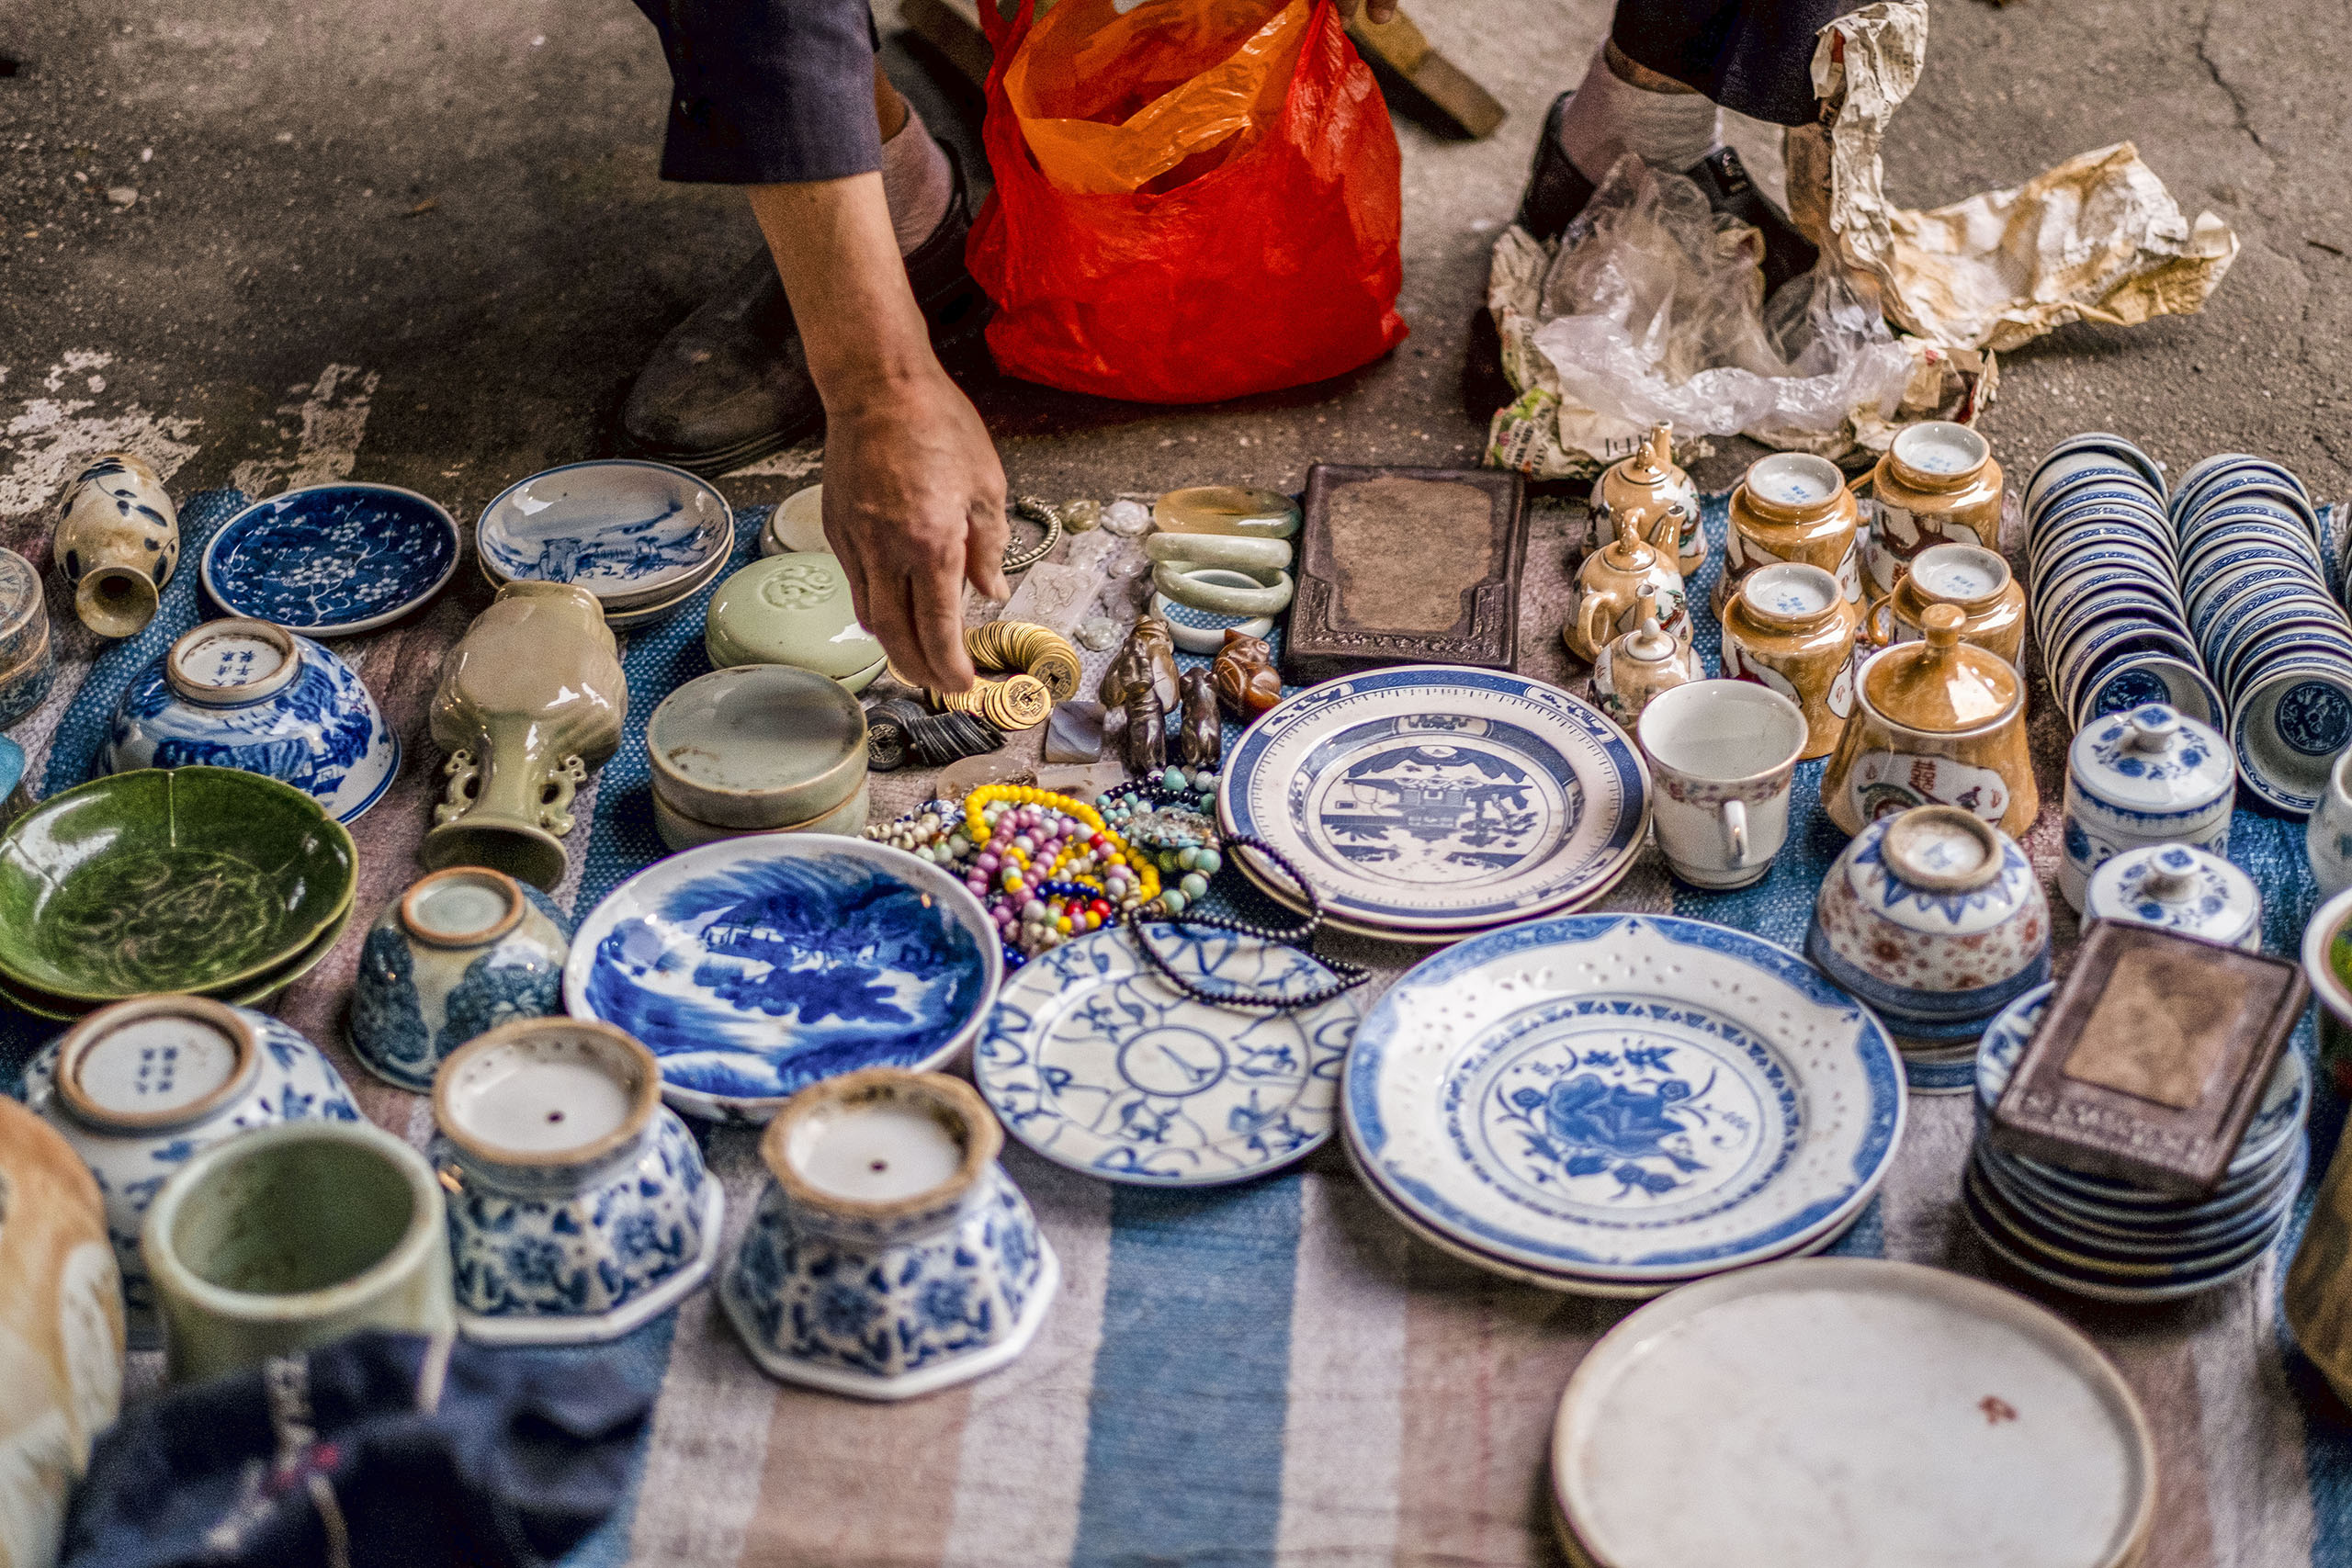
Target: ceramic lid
(2151,758)
(543,1093)
(790,609)
(232,662)
(1966,575)
(1941,685)
(757,734)
(798,522)
(2179,888)
(1795,484)
(1937,455)
(881,1145)
(1790,595)
(466,906)
(156,1062)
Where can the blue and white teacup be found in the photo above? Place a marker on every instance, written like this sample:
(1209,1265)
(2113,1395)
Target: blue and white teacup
(462,950)
(2289,720)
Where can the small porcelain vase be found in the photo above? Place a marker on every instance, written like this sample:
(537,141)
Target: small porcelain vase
(139,1087)
(531,700)
(1609,590)
(1791,506)
(1936,484)
(117,539)
(1935,722)
(1991,600)
(1935,919)
(241,694)
(890,1255)
(2327,834)
(579,1207)
(2146,777)
(1650,488)
(1790,629)
(462,950)
(2179,888)
(1640,664)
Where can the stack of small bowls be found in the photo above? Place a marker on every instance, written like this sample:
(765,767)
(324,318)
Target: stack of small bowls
(2273,634)
(2112,1240)
(757,749)
(2108,609)
(643,537)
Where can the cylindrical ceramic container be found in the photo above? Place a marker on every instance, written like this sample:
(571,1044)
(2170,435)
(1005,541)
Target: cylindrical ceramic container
(1792,507)
(2328,836)
(1935,722)
(579,1207)
(679,833)
(758,746)
(2147,776)
(1991,600)
(1937,484)
(462,952)
(2327,965)
(792,609)
(1790,629)
(27,661)
(2180,888)
(117,539)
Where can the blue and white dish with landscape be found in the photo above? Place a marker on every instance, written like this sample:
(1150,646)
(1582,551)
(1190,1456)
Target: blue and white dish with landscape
(625,530)
(1623,1098)
(1096,1062)
(332,559)
(755,966)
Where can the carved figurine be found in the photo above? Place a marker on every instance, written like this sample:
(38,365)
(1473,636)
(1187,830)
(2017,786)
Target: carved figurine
(1150,657)
(1247,682)
(1202,730)
(1147,738)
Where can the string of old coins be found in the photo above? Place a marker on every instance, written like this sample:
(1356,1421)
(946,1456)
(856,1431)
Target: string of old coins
(1017,702)
(1039,651)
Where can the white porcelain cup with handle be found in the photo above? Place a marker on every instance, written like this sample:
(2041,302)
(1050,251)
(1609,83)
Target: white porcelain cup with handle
(1721,753)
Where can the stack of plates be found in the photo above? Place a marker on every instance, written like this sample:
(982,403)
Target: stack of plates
(1433,801)
(759,749)
(643,537)
(2111,1240)
(1617,1104)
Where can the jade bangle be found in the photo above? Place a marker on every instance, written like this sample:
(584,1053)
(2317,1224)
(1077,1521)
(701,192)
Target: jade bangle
(1221,590)
(1214,549)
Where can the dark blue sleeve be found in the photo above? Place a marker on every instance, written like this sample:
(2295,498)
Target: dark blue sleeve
(1752,56)
(768,92)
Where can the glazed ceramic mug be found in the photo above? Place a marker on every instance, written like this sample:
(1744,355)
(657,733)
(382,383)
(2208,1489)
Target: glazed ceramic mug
(1721,753)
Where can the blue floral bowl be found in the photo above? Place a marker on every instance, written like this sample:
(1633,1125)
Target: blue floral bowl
(462,950)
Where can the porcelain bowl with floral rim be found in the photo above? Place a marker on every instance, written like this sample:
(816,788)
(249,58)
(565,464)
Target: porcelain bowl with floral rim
(2228,555)
(2102,515)
(2102,534)
(2101,647)
(2219,593)
(2244,515)
(2159,605)
(2312,629)
(2290,719)
(2089,494)
(2262,483)
(333,559)
(2181,684)
(2066,555)
(2302,617)
(2205,469)
(2133,570)
(2055,484)
(2111,445)
(2073,598)
(632,532)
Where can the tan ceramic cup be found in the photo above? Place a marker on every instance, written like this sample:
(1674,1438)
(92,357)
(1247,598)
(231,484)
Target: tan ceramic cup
(1938,484)
(1792,507)
(1990,599)
(1790,629)
(1720,754)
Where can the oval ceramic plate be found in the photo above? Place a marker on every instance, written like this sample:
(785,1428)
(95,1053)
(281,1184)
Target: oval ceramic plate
(332,560)
(1624,1097)
(1847,1410)
(754,967)
(1096,1062)
(631,533)
(1437,798)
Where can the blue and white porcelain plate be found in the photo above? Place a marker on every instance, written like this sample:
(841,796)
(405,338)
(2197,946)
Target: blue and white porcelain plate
(754,967)
(1434,798)
(333,559)
(627,530)
(1096,1062)
(1623,1098)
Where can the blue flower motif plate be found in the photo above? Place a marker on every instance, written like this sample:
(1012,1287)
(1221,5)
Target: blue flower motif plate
(1096,1062)
(1624,1098)
(333,559)
(754,967)
(628,532)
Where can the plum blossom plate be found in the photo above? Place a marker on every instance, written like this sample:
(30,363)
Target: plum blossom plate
(754,967)
(1624,1098)
(333,559)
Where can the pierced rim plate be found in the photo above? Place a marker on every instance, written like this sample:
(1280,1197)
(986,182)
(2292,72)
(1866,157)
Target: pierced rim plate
(1624,1097)
(1438,798)
(384,552)
(1095,1062)
(630,532)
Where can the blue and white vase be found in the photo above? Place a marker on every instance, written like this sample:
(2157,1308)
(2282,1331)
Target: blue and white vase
(2150,775)
(239,694)
(141,1087)
(2179,888)
(1934,919)
(462,952)
(578,1205)
(890,1255)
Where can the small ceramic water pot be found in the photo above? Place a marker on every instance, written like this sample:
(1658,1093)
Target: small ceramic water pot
(1639,665)
(1609,588)
(792,609)
(140,1087)
(462,950)
(240,694)
(1721,754)
(293,1237)
(1791,506)
(1934,919)
(1649,487)
(27,659)
(1991,600)
(1936,722)
(530,699)
(2327,965)
(2180,888)
(117,539)
(1790,629)
(1936,484)
(579,1207)
(755,747)
(2147,776)
(2328,836)
(890,1255)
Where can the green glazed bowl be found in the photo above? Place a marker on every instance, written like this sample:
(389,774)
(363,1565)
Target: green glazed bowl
(258,992)
(185,879)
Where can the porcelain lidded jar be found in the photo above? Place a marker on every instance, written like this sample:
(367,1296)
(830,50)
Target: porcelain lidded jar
(117,539)
(890,1255)
(1991,600)
(462,950)
(1936,722)
(1790,629)
(792,609)
(1651,488)
(139,1087)
(1936,484)
(1791,506)
(1608,588)
(1639,665)
(2180,888)
(578,1205)
(2328,836)
(242,693)
(2148,775)
(1934,919)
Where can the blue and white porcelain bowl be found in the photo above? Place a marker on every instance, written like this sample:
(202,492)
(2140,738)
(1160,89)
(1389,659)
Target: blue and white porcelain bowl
(578,1205)
(333,559)
(632,532)
(2180,888)
(2147,776)
(141,1087)
(754,968)
(247,695)
(2290,719)
(462,950)
(890,1255)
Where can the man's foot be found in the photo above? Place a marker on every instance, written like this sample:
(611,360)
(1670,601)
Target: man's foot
(731,384)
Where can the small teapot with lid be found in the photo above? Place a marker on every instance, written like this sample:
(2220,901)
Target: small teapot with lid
(1649,485)
(1609,594)
(1936,722)
(1640,664)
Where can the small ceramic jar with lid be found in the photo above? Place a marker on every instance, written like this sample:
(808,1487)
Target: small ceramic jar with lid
(792,609)
(2145,776)
(1609,590)
(757,747)
(1991,600)
(797,523)
(1937,484)
(1936,722)
(2180,888)
(1791,506)
(1790,629)
(1651,488)
(27,661)
(1935,919)
(1640,664)
(462,950)
(578,1205)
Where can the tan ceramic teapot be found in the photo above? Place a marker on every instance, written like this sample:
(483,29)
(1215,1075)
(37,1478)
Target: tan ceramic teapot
(1658,495)
(1608,588)
(1640,664)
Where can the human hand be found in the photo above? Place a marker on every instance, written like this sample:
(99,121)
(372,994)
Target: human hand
(1376,11)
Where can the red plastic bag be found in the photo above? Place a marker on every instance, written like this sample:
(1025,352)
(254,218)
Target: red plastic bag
(1223,212)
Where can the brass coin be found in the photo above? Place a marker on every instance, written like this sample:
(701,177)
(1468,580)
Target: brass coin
(1056,668)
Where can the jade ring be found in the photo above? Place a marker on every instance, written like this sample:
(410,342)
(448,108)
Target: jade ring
(1224,592)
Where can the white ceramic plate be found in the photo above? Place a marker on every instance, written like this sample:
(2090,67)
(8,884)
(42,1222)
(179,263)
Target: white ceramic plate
(631,533)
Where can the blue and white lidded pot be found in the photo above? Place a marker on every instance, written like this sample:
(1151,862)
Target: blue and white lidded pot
(2180,888)
(462,950)
(2148,775)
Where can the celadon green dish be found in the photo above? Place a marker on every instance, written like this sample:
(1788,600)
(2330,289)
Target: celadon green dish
(184,879)
(258,992)
(792,609)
